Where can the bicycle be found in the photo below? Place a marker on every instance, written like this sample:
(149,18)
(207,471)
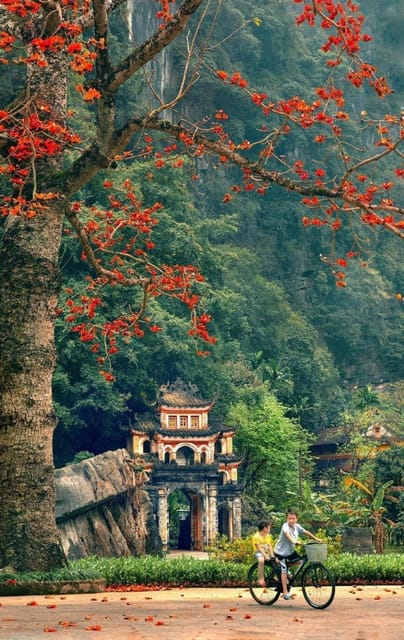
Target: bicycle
(317,582)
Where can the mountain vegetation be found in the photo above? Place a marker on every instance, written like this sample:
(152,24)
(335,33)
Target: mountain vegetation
(282,324)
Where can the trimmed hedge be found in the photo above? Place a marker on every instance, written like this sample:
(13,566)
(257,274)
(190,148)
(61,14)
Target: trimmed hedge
(71,573)
(151,570)
(349,568)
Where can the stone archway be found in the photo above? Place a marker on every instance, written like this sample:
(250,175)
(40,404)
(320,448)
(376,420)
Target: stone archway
(225,518)
(185,456)
(185,519)
(179,520)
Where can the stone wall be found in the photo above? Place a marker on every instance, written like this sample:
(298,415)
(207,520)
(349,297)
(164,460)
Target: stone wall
(357,540)
(103,509)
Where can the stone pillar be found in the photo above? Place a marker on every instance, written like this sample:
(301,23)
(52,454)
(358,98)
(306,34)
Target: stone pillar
(162,511)
(236,518)
(211,515)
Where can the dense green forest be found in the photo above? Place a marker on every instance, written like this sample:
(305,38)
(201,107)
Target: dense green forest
(283,327)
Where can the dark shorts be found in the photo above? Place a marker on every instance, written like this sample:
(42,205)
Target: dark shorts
(287,560)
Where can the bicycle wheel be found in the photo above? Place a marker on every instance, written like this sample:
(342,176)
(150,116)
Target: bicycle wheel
(270,593)
(318,586)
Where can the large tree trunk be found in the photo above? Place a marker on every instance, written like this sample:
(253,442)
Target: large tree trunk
(29,252)
(29,538)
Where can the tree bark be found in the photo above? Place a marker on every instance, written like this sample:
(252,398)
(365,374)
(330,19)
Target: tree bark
(29,275)
(29,538)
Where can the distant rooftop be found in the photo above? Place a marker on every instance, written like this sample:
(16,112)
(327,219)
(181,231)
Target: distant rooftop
(339,435)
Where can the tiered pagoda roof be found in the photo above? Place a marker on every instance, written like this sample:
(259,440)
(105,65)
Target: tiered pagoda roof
(150,423)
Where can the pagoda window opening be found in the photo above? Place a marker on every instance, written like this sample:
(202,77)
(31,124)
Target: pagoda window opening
(218,446)
(194,422)
(203,457)
(146,446)
(183,422)
(172,422)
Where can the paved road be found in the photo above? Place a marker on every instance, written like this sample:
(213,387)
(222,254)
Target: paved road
(367,613)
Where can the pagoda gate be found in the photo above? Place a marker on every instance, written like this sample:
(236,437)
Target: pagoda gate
(190,456)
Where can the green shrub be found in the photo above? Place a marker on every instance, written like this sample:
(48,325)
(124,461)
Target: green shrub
(334,543)
(349,568)
(58,575)
(152,570)
(80,456)
(240,550)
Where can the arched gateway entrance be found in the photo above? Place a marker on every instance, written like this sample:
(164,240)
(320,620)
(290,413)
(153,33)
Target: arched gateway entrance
(193,471)
(185,520)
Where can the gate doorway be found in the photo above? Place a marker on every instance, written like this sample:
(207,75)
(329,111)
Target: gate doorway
(185,520)
(225,522)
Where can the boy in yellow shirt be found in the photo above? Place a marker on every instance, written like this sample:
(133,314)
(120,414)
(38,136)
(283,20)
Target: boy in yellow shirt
(262,545)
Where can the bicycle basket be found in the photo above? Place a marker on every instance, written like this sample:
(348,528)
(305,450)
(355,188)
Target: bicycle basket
(316,551)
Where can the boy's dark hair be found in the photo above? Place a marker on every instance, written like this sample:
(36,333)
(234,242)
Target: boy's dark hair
(291,512)
(264,523)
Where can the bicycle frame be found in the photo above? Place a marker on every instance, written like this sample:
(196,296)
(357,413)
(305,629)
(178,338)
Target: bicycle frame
(298,572)
(316,581)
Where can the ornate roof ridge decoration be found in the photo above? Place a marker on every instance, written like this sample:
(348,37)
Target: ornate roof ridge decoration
(180,394)
(179,385)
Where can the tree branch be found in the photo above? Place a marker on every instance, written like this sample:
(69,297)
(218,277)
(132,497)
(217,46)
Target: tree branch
(149,49)
(92,161)
(111,276)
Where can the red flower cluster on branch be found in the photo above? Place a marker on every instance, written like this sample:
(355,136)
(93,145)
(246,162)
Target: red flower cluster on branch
(119,243)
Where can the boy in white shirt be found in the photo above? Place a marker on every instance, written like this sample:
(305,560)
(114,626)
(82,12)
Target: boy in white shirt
(285,547)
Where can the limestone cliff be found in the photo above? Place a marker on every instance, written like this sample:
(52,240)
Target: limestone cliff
(103,509)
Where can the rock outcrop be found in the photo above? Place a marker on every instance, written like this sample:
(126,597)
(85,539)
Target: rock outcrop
(103,509)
